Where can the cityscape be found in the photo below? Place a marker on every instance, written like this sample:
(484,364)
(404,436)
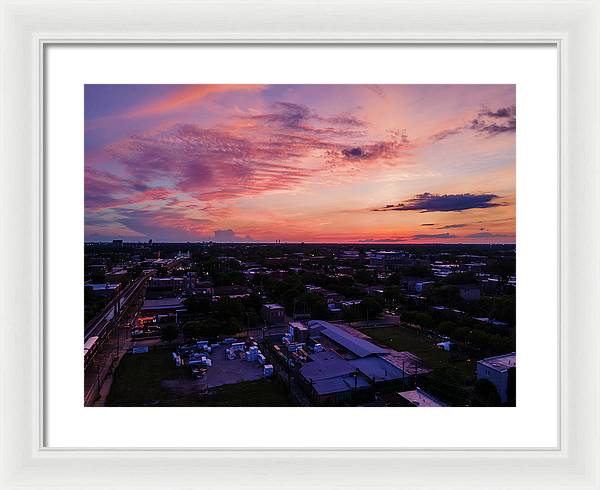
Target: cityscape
(300,245)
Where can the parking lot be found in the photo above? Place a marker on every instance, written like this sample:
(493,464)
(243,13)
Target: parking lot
(224,371)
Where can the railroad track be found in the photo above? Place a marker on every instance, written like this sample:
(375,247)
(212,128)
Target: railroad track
(103,322)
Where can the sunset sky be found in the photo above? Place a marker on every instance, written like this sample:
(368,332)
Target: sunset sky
(300,163)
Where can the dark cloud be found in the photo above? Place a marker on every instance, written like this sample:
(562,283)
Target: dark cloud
(502,120)
(169,223)
(487,234)
(486,122)
(449,227)
(427,203)
(434,236)
(504,112)
(105,190)
(427,224)
(382,240)
(376,89)
(492,128)
(286,114)
(441,135)
(384,150)
(353,152)
(345,120)
(299,117)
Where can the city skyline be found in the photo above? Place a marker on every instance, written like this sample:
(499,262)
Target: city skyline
(300,163)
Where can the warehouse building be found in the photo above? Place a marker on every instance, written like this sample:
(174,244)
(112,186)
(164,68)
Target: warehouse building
(351,365)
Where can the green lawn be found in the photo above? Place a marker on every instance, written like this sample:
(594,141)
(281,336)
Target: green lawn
(451,380)
(138,382)
(403,339)
(137,379)
(260,393)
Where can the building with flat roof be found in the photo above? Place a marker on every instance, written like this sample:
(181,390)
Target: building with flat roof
(388,260)
(420,398)
(499,370)
(358,346)
(273,314)
(330,379)
(231,291)
(164,306)
(352,364)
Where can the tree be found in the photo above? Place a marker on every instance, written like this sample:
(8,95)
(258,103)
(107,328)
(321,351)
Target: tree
(392,295)
(227,308)
(511,388)
(371,307)
(315,304)
(191,330)
(350,314)
(168,333)
(458,278)
(364,276)
(486,393)
(418,271)
(447,327)
(211,328)
(198,303)
(421,318)
(462,333)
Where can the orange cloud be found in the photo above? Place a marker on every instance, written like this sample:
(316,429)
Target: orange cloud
(186,96)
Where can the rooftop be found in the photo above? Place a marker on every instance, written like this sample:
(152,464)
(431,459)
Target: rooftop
(377,368)
(359,347)
(298,325)
(336,385)
(273,306)
(407,362)
(329,373)
(500,363)
(151,304)
(420,398)
(325,365)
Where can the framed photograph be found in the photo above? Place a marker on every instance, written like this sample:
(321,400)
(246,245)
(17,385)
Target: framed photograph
(313,242)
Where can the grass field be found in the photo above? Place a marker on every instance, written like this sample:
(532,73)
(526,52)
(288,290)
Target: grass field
(404,339)
(451,380)
(144,380)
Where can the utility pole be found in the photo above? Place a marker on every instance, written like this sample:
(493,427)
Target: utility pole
(416,372)
(287,362)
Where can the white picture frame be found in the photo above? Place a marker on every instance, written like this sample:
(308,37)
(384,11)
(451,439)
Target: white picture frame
(27,28)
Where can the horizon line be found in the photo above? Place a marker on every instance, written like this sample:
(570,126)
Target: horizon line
(295,243)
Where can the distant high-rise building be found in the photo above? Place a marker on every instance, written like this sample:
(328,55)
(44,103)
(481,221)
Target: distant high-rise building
(117,243)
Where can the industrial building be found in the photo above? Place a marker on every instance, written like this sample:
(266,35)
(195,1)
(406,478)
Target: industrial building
(499,370)
(165,306)
(342,364)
